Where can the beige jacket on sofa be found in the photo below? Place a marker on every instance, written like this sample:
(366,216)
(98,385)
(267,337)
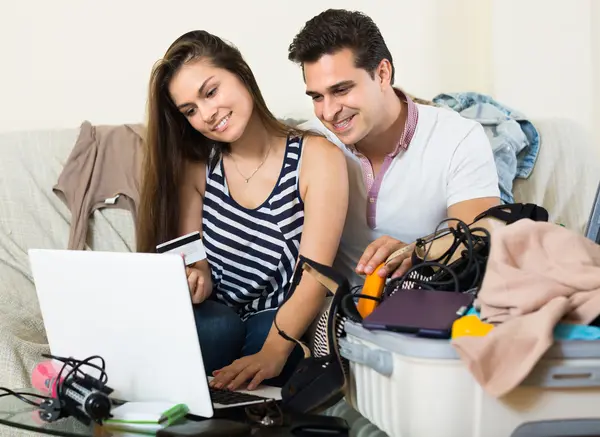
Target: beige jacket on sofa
(102,171)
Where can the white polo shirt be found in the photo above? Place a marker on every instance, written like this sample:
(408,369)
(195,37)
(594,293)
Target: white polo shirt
(446,160)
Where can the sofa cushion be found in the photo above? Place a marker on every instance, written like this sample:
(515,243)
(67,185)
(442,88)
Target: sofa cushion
(566,175)
(32,216)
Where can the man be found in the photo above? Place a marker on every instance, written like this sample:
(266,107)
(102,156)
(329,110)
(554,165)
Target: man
(410,165)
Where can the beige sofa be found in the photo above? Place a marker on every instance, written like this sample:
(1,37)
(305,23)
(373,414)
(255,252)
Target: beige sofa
(31,216)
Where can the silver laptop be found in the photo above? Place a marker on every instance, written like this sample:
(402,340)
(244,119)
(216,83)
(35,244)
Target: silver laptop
(135,311)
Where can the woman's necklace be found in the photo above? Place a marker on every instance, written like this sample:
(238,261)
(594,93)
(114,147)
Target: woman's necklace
(255,170)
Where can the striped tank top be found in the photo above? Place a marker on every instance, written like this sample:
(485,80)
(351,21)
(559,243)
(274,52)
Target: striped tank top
(252,252)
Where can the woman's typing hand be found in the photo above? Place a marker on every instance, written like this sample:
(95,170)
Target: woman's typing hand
(251,370)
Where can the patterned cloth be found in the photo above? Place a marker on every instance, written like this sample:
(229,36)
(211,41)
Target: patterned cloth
(515,140)
(252,252)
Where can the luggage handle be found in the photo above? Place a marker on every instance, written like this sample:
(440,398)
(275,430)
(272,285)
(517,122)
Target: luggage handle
(558,428)
(379,360)
(564,376)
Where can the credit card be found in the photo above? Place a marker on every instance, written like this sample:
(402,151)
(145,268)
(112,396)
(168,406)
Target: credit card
(189,245)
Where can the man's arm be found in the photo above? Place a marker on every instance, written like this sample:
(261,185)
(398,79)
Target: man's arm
(472,188)
(382,248)
(467,210)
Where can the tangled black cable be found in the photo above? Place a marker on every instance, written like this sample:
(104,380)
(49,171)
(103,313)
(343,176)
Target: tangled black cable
(22,396)
(76,366)
(348,304)
(462,235)
(473,240)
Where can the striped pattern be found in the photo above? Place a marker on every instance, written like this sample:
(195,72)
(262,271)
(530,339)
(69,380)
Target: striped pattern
(252,253)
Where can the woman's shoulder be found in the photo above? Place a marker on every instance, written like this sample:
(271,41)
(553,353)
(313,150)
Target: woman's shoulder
(324,168)
(318,147)
(320,157)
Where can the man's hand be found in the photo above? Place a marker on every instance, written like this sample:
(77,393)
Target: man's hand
(199,282)
(378,252)
(255,368)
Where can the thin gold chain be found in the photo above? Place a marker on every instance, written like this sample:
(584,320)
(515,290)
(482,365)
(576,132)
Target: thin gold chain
(255,170)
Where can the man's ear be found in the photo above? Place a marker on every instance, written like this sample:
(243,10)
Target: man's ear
(384,73)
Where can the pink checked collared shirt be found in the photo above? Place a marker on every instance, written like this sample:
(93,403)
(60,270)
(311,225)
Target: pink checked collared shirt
(374,183)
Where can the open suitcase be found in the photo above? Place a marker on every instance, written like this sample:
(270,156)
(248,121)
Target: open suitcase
(416,387)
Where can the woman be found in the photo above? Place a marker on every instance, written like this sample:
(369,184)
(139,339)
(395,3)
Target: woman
(259,192)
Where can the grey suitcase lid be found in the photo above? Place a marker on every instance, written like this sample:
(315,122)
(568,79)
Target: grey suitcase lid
(418,347)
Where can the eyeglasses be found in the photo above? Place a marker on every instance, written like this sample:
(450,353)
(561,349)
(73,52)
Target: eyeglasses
(267,413)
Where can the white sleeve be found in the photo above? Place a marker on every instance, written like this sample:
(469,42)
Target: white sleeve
(315,125)
(472,173)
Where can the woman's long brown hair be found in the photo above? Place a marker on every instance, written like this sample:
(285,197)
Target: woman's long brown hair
(171,140)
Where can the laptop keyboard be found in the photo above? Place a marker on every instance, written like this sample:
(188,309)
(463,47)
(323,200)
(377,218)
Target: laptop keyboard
(227,397)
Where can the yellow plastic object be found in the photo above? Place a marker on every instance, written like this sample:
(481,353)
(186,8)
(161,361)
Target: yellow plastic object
(470,326)
(373,286)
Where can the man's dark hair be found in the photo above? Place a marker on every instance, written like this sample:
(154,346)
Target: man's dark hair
(337,29)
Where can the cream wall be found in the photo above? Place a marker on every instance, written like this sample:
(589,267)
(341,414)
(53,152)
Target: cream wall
(542,62)
(65,61)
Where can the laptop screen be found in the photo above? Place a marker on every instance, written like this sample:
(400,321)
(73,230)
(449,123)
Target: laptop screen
(593,227)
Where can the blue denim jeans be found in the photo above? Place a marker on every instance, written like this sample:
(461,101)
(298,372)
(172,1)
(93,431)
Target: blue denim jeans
(224,337)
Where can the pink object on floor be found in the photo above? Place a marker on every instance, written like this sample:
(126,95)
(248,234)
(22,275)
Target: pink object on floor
(44,377)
